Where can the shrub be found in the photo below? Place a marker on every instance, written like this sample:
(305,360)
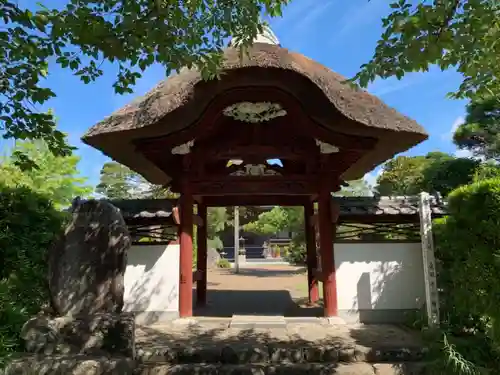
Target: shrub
(468,249)
(487,170)
(28,226)
(297,253)
(223,263)
(468,246)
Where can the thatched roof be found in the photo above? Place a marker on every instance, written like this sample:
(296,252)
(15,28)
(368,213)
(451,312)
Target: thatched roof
(180,100)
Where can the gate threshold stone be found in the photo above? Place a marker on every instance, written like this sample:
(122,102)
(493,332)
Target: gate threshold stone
(257,321)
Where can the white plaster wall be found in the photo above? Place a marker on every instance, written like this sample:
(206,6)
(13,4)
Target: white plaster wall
(376,283)
(152,282)
(385,276)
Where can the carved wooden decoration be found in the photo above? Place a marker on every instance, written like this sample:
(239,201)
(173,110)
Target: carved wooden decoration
(254,112)
(326,148)
(429,261)
(255,170)
(183,149)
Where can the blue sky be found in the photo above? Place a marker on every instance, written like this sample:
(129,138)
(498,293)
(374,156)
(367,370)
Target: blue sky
(337,33)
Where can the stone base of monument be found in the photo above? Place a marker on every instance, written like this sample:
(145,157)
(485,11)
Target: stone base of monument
(96,335)
(71,364)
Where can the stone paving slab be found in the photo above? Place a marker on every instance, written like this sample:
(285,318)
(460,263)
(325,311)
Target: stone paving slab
(257,322)
(215,332)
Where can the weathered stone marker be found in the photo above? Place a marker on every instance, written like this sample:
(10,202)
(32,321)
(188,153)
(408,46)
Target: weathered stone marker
(87,264)
(86,281)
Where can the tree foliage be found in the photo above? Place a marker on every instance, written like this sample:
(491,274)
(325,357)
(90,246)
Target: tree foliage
(291,219)
(452,34)
(402,175)
(276,220)
(119,182)
(480,133)
(28,225)
(355,188)
(434,172)
(55,177)
(134,35)
(217,221)
(468,272)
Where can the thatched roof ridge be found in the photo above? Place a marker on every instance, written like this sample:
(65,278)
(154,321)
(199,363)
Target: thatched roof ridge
(177,90)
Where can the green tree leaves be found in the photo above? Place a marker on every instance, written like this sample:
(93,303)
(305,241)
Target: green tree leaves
(434,172)
(133,34)
(119,182)
(480,133)
(54,177)
(455,34)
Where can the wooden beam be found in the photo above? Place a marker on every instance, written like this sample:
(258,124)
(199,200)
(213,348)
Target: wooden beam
(255,200)
(312,259)
(201,258)
(326,237)
(262,186)
(186,255)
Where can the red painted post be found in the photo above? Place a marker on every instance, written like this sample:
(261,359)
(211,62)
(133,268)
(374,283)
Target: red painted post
(186,255)
(311,258)
(326,238)
(201,257)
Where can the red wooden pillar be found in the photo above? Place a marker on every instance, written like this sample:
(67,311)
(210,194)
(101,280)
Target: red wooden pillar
(311,258)
(186,255)
(201,257)
(326,238)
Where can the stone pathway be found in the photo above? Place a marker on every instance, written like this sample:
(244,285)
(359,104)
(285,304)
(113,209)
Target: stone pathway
(258,290)
(209,332)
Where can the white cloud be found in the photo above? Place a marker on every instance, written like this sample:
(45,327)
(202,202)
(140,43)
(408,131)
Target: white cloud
(463,154)
(449,135)
(364,15)
(468,154)
(299,14)
(382,87)
(312,15)
(299,21)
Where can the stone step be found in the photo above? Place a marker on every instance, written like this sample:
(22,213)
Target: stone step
(277,353)
(84,365)
(283,369)
(69,365)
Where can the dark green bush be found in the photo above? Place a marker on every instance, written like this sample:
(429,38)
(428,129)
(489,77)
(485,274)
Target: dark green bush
(28,225)
(297,253)
(223,263)
(468,250)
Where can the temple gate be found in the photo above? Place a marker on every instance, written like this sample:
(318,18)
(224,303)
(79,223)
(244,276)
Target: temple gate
(276,129)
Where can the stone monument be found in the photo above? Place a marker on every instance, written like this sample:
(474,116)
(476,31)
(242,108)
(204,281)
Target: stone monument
(86,281)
